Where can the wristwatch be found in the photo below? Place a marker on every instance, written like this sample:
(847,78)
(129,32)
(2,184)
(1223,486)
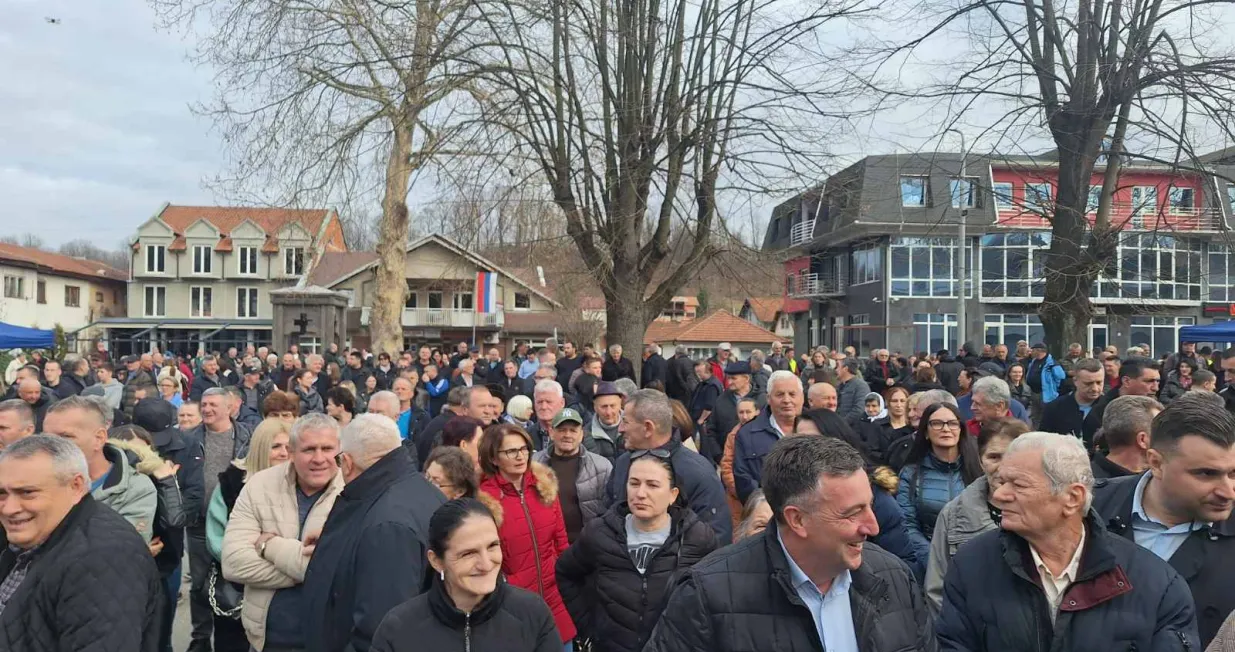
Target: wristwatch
(261,552)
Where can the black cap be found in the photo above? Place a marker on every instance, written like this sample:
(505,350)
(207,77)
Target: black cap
(1038,345)
(253,369)
(130,359)
(740,368)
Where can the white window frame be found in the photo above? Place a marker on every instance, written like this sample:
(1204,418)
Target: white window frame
(999,280)
(1156,323)
(246,254)
(1003,201)
(15,287)
(201,301)
(1159,246)
(926,190)
(412,302)
(931,244)
(150,295)
(1093,199)
(1036,200)
(156,253)
(456,300)
(1144,201)
(1180,191)
(1222,291)
(247,296)
(289,266)
(203,264)
(1000,322)
(873,265)
(931,321)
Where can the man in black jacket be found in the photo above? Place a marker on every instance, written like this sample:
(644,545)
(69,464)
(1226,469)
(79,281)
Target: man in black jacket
(1181,508)
(371,554)
(754,596)
(1053,577)
(680,377)
(725,409)
(74,575)
(655,367)
(616,365)
(1125,437)
(1077,413)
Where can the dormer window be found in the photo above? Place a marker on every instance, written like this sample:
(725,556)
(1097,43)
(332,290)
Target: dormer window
(293,261)
(156,258)
(247,257)
(202,255)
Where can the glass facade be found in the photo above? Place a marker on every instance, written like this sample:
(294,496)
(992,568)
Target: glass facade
(925,267)
(1012,264)
(933,332)
(915,191)
(1153,266)
(1221,275)
(866,263)
(1160,334)
(1011,328)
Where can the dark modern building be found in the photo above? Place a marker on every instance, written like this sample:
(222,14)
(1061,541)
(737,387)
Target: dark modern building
(871,255)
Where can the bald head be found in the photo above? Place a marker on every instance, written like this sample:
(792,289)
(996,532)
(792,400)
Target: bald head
(29,390)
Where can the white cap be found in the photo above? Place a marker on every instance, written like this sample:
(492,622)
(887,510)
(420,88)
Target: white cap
(724,346)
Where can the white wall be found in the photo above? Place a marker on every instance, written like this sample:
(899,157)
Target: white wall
(28,312)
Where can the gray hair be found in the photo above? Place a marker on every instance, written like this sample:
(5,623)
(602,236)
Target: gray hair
(385,397)
(682,349)
(66,458)
(368,438)
(1088,365)
(457,395)
(311,422)
(651,405)
(626,386)
(992,390)
(933,396)
(615,347)
(548,386)
(794,469)
(783,375)
(25,415)
(96,409)
(215,391)
(1126,416)
(109,415)
(1064,461)
(313,357)
(757,356)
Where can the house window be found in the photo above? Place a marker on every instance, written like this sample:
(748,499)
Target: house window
(1153,266)
(435,301)
(201,259)
(13,286)
(915,191)
(463,301)
(1038,197)
(72,296)
(1002,192)
(40,291)
(858,338)
(1160,334)
(1009,329)
(156,301)
(248,260)
(866,263)
(200,300)
(1221,277)
(676,310)
(964,192)
(1095,196)
(293,261)
(1012,264)
(925,267)
(246,303)
(933,332)
(413,300)
(1182,200)
(523,301)
(156,256)
(98,297)
(1144,202)
(1230,196)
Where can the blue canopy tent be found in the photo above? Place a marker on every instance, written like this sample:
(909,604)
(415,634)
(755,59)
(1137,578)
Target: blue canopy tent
(20,337)
(1223,331)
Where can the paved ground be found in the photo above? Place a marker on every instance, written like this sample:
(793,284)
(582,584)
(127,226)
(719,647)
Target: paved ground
(180,631)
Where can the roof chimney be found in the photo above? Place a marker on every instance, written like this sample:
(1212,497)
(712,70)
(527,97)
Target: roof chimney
(540,275)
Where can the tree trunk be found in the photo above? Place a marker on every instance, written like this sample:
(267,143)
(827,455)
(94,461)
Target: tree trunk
(386,319)
(1066,310)
(626,322)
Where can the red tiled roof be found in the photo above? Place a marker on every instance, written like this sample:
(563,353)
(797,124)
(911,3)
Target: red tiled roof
(57,263)
(226,218)
(334,265)
(719,326)
(766,308)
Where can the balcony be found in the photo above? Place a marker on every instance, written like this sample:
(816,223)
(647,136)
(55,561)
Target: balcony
(423,317)
(1127,216)
(806,286)
(801,233)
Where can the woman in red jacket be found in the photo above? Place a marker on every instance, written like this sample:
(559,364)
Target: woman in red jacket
(533,532)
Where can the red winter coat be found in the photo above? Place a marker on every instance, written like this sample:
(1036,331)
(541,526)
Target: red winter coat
(533,535)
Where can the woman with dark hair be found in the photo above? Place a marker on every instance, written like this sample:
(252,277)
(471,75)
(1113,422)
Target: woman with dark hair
(1178,381)
(305,387)
(879,434)
(924,378)
(616,577)
(281,405)
(826,422)
(452,471)
(1018,387)
(683,425)
(533,533)
(941,463)
(468,606)
(970,514)
(465,433)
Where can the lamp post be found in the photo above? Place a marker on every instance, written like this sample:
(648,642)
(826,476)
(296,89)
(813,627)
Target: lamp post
(962,236)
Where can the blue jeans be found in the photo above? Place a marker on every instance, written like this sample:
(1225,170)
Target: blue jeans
(569,647)
(171,589)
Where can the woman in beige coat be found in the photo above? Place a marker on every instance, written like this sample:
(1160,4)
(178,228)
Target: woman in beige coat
(273,528)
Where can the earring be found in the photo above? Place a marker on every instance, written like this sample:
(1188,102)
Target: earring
(442,574)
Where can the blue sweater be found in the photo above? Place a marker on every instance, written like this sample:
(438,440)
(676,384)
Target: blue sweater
(924,489)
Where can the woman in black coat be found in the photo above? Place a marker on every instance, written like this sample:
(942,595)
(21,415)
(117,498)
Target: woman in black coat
(469,606)
(630,556)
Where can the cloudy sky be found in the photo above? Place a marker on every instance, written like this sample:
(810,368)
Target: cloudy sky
(95,127)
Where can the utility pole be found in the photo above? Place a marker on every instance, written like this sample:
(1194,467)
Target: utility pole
(966,193)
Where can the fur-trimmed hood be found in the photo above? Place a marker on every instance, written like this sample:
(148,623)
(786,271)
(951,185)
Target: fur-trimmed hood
(539,477)
(147,459)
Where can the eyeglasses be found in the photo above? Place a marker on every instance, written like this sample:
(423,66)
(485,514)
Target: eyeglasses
(658,453)
(514,453)
(940,425)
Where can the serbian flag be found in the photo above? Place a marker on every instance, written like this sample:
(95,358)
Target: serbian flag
(486,292)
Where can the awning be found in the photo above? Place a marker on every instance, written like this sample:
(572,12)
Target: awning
(20,337)
(1223,331)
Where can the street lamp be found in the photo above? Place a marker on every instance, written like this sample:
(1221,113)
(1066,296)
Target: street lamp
(962,262)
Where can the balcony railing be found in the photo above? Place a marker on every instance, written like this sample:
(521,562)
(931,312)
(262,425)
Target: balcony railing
(801,233)
(451,318)
(1127,216)
(804,286)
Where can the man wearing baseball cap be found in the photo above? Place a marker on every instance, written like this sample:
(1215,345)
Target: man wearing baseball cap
(254,386)
(600,433)
(581,475)
(1043,377)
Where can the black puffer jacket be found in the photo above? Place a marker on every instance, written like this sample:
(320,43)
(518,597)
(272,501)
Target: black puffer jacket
(741,598)
(507,620)
(92,586)
(598,564)
(1124,598)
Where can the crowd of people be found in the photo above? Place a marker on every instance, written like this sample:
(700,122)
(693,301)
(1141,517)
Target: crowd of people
(557,500)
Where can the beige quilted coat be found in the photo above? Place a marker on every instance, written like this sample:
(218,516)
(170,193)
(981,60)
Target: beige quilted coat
(268,504)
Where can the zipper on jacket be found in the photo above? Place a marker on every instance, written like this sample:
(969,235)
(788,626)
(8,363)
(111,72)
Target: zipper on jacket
(467,632)
(531,527)
(1183,638)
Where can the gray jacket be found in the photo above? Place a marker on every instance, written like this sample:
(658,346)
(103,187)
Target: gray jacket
(851,399)
(962,519)
(129,493)
(594,473)
(113,393)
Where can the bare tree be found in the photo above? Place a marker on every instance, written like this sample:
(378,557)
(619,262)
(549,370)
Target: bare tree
(641,117)
(118,258)
(24,240)
(1108,80)
(326,100)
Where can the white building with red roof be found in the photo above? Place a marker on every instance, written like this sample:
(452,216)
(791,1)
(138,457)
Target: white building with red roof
(44,289)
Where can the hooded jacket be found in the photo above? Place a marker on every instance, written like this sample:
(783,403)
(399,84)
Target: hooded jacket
(925,488)
(533,535)
(310,401)
(169,516)
(962,519)
(613,604)
(850,397)
(128,492)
